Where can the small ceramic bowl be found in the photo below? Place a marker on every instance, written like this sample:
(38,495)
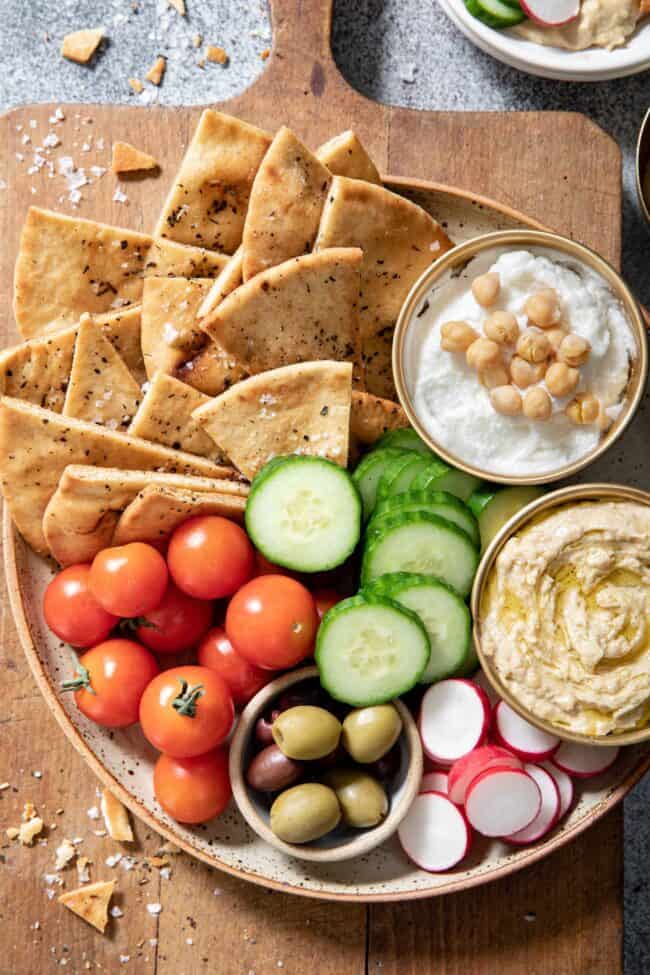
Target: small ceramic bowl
(342,843)
(643,167)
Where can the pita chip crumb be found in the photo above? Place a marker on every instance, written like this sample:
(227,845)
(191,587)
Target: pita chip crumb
(178,5)
(197,40)
(12,832)
(27,832)
(216,54)
(65,852)
(83,872)
(157,70)
(136,85)
(81,45)
(127,159)
(116,818)
(266,53)
(90,902)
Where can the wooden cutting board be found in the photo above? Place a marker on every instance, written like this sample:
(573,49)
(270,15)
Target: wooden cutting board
(561,917)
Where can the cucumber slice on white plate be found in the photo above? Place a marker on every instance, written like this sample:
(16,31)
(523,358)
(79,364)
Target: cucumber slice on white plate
(369,472)
(404,439)
(435,502)
(493,508)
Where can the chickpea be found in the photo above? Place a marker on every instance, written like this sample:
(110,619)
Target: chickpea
(533,346)
(543,308)
(524,373)
(457,336)
(584,409)
(574,350)
(561,379)
(482,354)
(506,399)
(537,404)
(485,288)
(494,376)
(555,336)
(502,327)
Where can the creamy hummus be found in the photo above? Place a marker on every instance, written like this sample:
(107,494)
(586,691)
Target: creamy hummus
(600,23)
(565,616)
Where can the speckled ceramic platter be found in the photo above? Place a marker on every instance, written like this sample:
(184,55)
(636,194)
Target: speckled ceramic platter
(124,761)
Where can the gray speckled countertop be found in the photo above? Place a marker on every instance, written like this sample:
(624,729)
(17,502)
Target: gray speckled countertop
(399,51)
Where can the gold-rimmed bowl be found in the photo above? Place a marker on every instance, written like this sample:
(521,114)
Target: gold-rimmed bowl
(454,263)
(643,167)
(555,499)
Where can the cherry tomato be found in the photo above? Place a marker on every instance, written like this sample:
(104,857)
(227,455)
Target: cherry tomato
(193,790)
(110,680)
(210,557)
(325,599)
(244,680)
(186,711)
(129,580)
(272,622)
(72,612)
(177,623)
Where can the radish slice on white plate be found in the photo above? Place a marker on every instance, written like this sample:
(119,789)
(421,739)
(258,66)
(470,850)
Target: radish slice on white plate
(564,786)
(454,718)
(551,13)
(583,761)
(502,801)
(462,772)
(520,736)
(434,833)
(435,782)
(549,810)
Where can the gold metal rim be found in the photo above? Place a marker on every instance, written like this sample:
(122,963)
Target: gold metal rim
(576,493)
(464,252)
(644,136)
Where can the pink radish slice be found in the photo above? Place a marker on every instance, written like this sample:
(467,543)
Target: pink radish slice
(435,782)
(564,786)
(469,766)
(454,718)
(434,833)
(549,810)
(583,761)
(501,801)
(523,738)
(551,13)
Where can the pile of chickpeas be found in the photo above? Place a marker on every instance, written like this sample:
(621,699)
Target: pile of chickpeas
(543,351)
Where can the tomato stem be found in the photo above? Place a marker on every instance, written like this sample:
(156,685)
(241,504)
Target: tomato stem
(131,624)
(185,703)
(80,682)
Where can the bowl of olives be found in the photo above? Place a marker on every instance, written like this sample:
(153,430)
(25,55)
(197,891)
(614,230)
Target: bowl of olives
(320,780)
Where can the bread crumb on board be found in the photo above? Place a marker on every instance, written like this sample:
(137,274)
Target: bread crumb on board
(157,70)
(115,815)
(216,54)
(127,159)
(178,5)
(136,85)
(82,44)
(90,902)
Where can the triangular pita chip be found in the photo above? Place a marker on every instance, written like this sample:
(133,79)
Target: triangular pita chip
(207,203)
(377,353)
(127,159)
(116,818)
(211,371)
(82,44)
(167,259)
(170,333)
(67,266)
(37,445)
(285,205)
(299,311)
(165,416)
(229,278)
(156,511)
(90,902)
(299,409)
(372,417)
(101,389)
(38,370)
(345,155)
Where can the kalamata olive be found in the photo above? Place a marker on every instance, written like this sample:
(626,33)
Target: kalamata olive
(386,767)
(368,733)
(362,799)
(271,770)
(263,731)
(305,813)
(333,760)
(306,732)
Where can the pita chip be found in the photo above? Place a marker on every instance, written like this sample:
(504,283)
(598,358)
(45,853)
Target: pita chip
(127,159)
(371,417)
(345,155)
(116,818)
(207,203)
(154,514)
(38,370)
(167,259)
(156,72)
(644,9)
(300,311)
(82,44)
(165,416)
(90,902)
(170,334)
(211,371)
(122,329)
(230,277)
(285,205)
(67,266)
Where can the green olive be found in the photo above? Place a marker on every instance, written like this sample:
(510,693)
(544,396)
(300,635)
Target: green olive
(370,732)
(305,813)
(363,801)
(306,732)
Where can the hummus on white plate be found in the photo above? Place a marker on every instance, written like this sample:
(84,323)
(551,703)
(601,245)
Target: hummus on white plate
(565,616)
(600,23)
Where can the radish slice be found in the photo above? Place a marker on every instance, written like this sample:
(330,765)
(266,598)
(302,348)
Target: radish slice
(551,13)
(549,810)
(469,766)
(434,833)
(523,738)
(435,782)
(501,801)
(583,761)
(454,718)
(564,787)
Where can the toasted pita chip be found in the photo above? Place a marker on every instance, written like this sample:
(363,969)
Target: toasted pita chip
(378,363)
(644,10)
(303,310)
(229,279)
(211,371)
(127,159)
(90,902)
(170,334)
(301,409)
(122,329)
(165,416)
(207,203)
(101,389)
(371,417)
(157,511)
(285,205)
(67,266)
(345,155)
(82,44)
(167,259)
(116,818)
(38,370)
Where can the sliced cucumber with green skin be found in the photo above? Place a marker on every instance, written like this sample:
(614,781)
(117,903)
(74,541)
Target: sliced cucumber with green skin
(505,14)
(369,472)
(473,8)
(445,616)
(435,502)
(494,508)
(420,542)
(441,477)
(399,476)
(370,650)
(304,514)
(404,439)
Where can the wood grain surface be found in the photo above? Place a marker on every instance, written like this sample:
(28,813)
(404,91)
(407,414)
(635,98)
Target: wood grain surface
(561,917)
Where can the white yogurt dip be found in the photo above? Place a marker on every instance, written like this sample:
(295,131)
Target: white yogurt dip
(456,409)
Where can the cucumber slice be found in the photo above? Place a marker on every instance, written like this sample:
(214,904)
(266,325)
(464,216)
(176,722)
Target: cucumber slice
(445,616)
(435,502)
(370,650)
(304,514)
(503,13)
(494,508)
(423,543)
(473,8)
(403,439)
(400,474)
(369,472)
(441,477)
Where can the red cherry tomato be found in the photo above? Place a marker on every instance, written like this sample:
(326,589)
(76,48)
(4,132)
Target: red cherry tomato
(110,681)
(186,711)
(72,612)
(210,557)
(193,790)
(129,580)
(272,622)
(177,623)
(244,680)
(325,599)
